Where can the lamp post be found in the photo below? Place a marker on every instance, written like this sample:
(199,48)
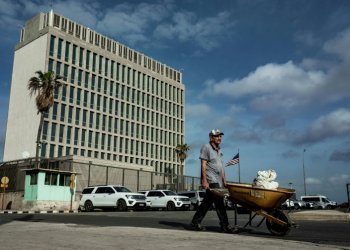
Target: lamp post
(304,172)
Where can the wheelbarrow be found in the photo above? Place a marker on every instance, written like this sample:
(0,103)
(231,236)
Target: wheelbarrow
(262,202)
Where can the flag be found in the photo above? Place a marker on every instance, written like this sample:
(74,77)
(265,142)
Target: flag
(233,161)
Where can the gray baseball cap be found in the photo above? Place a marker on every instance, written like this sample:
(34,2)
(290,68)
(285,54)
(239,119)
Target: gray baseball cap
(215,132)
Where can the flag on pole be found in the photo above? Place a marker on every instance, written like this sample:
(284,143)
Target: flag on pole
(233,161)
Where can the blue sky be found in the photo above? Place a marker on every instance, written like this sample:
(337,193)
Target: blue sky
(273,75)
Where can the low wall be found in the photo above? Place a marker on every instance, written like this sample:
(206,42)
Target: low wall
(15,201)
(11,200)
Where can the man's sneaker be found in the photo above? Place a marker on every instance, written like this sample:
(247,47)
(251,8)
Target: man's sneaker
(197,227)
(229,229)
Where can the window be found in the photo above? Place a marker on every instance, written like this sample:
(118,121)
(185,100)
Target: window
(34,179)
(81,57)
(52,45)
(51,179)
(66,56)
(56,20)
(53,131)
(64,180)
(74,57)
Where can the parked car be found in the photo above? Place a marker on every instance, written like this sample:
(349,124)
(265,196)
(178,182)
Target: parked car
(111,196)
(196,197)
(319,201)
(230,205)
(298,204)
(288,204)
(167,199)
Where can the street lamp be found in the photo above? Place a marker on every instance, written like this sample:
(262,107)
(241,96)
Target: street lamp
(304,172)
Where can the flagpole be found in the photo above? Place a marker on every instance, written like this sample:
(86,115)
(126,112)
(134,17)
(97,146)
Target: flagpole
(239,168)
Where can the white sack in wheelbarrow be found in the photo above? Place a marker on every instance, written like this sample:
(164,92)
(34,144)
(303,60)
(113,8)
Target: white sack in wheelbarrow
(266,179)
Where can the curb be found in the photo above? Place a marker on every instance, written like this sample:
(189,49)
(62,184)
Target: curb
(320,216)
(39,212)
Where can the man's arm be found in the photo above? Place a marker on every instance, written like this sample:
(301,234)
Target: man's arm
(205,183)
(223,177)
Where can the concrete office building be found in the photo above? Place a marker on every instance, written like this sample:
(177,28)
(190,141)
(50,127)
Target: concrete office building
(118,106)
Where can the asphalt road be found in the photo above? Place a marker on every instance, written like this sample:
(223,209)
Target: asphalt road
(320,232)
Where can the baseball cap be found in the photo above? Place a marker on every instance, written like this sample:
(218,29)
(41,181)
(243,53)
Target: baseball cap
(215,132)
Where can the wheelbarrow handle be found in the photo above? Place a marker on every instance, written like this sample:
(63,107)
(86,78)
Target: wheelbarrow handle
(218,191)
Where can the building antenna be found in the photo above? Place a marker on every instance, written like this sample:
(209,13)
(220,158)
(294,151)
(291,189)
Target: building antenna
(51,4)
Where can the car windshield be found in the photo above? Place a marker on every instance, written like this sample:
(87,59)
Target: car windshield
(170,193)
(122,189)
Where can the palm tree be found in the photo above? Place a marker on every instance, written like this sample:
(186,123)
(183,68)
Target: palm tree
(43,86)
(181,150)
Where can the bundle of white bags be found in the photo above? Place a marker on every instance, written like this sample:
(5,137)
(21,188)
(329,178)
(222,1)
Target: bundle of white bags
(266,179)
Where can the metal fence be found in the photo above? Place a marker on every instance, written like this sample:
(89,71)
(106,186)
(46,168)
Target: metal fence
(90,174)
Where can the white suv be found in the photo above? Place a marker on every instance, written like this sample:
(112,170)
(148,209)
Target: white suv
(196,197)
(167,199)
(111,196)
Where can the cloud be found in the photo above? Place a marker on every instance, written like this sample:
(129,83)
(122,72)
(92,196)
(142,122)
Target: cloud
(133,22)
(270,122)
(339,45)
(290,154)
(313,181)
(343,156)
(334,124)
(185,26)
(247,136)
(339,179)
(272,86)
(197,110)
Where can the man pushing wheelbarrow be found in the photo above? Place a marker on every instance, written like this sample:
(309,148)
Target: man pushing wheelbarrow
(212,177)
(259,200)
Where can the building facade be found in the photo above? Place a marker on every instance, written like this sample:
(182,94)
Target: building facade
(117,106)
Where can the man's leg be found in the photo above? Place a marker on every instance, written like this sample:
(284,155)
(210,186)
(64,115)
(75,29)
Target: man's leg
(222,214)
(202,211)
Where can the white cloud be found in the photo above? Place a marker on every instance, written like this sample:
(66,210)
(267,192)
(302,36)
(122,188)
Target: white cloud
(197,110)
(187,27)
(339,179)
(334,124)
(272,86)
(133,22)
(339,45)
(312,181)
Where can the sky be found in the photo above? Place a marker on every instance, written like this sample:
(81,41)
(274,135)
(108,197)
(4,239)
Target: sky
(273,75)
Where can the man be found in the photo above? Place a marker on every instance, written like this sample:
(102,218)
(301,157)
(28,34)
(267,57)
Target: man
(212,176)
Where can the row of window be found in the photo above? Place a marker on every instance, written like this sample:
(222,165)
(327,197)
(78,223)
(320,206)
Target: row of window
(125,122)
(117,49)
(109,91)
(51,150)
(52,179)
(129,77)
(104,142)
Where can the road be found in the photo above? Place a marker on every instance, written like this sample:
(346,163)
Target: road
(334,233)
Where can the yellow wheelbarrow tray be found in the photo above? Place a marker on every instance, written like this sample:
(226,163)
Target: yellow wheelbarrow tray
(263,202)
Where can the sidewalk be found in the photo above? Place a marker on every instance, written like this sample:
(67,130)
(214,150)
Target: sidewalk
(320,215)
(42,236)
(34,235)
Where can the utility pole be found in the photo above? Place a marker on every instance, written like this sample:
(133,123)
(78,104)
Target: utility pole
(304,172)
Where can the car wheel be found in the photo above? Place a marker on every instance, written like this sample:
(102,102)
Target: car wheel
(170,206)
(89,207)
(296,206)
(121,205)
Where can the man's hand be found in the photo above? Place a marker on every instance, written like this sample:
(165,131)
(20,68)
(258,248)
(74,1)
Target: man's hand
(205,184)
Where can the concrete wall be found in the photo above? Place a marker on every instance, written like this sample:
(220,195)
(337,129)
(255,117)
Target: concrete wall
(23,120)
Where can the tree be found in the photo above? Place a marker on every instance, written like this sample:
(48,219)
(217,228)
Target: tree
(43,86)
(181,150)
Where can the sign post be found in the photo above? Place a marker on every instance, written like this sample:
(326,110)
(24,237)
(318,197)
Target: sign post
(4,184)
(72,186)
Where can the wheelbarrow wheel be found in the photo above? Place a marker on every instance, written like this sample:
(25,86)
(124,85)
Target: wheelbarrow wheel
(274,227)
